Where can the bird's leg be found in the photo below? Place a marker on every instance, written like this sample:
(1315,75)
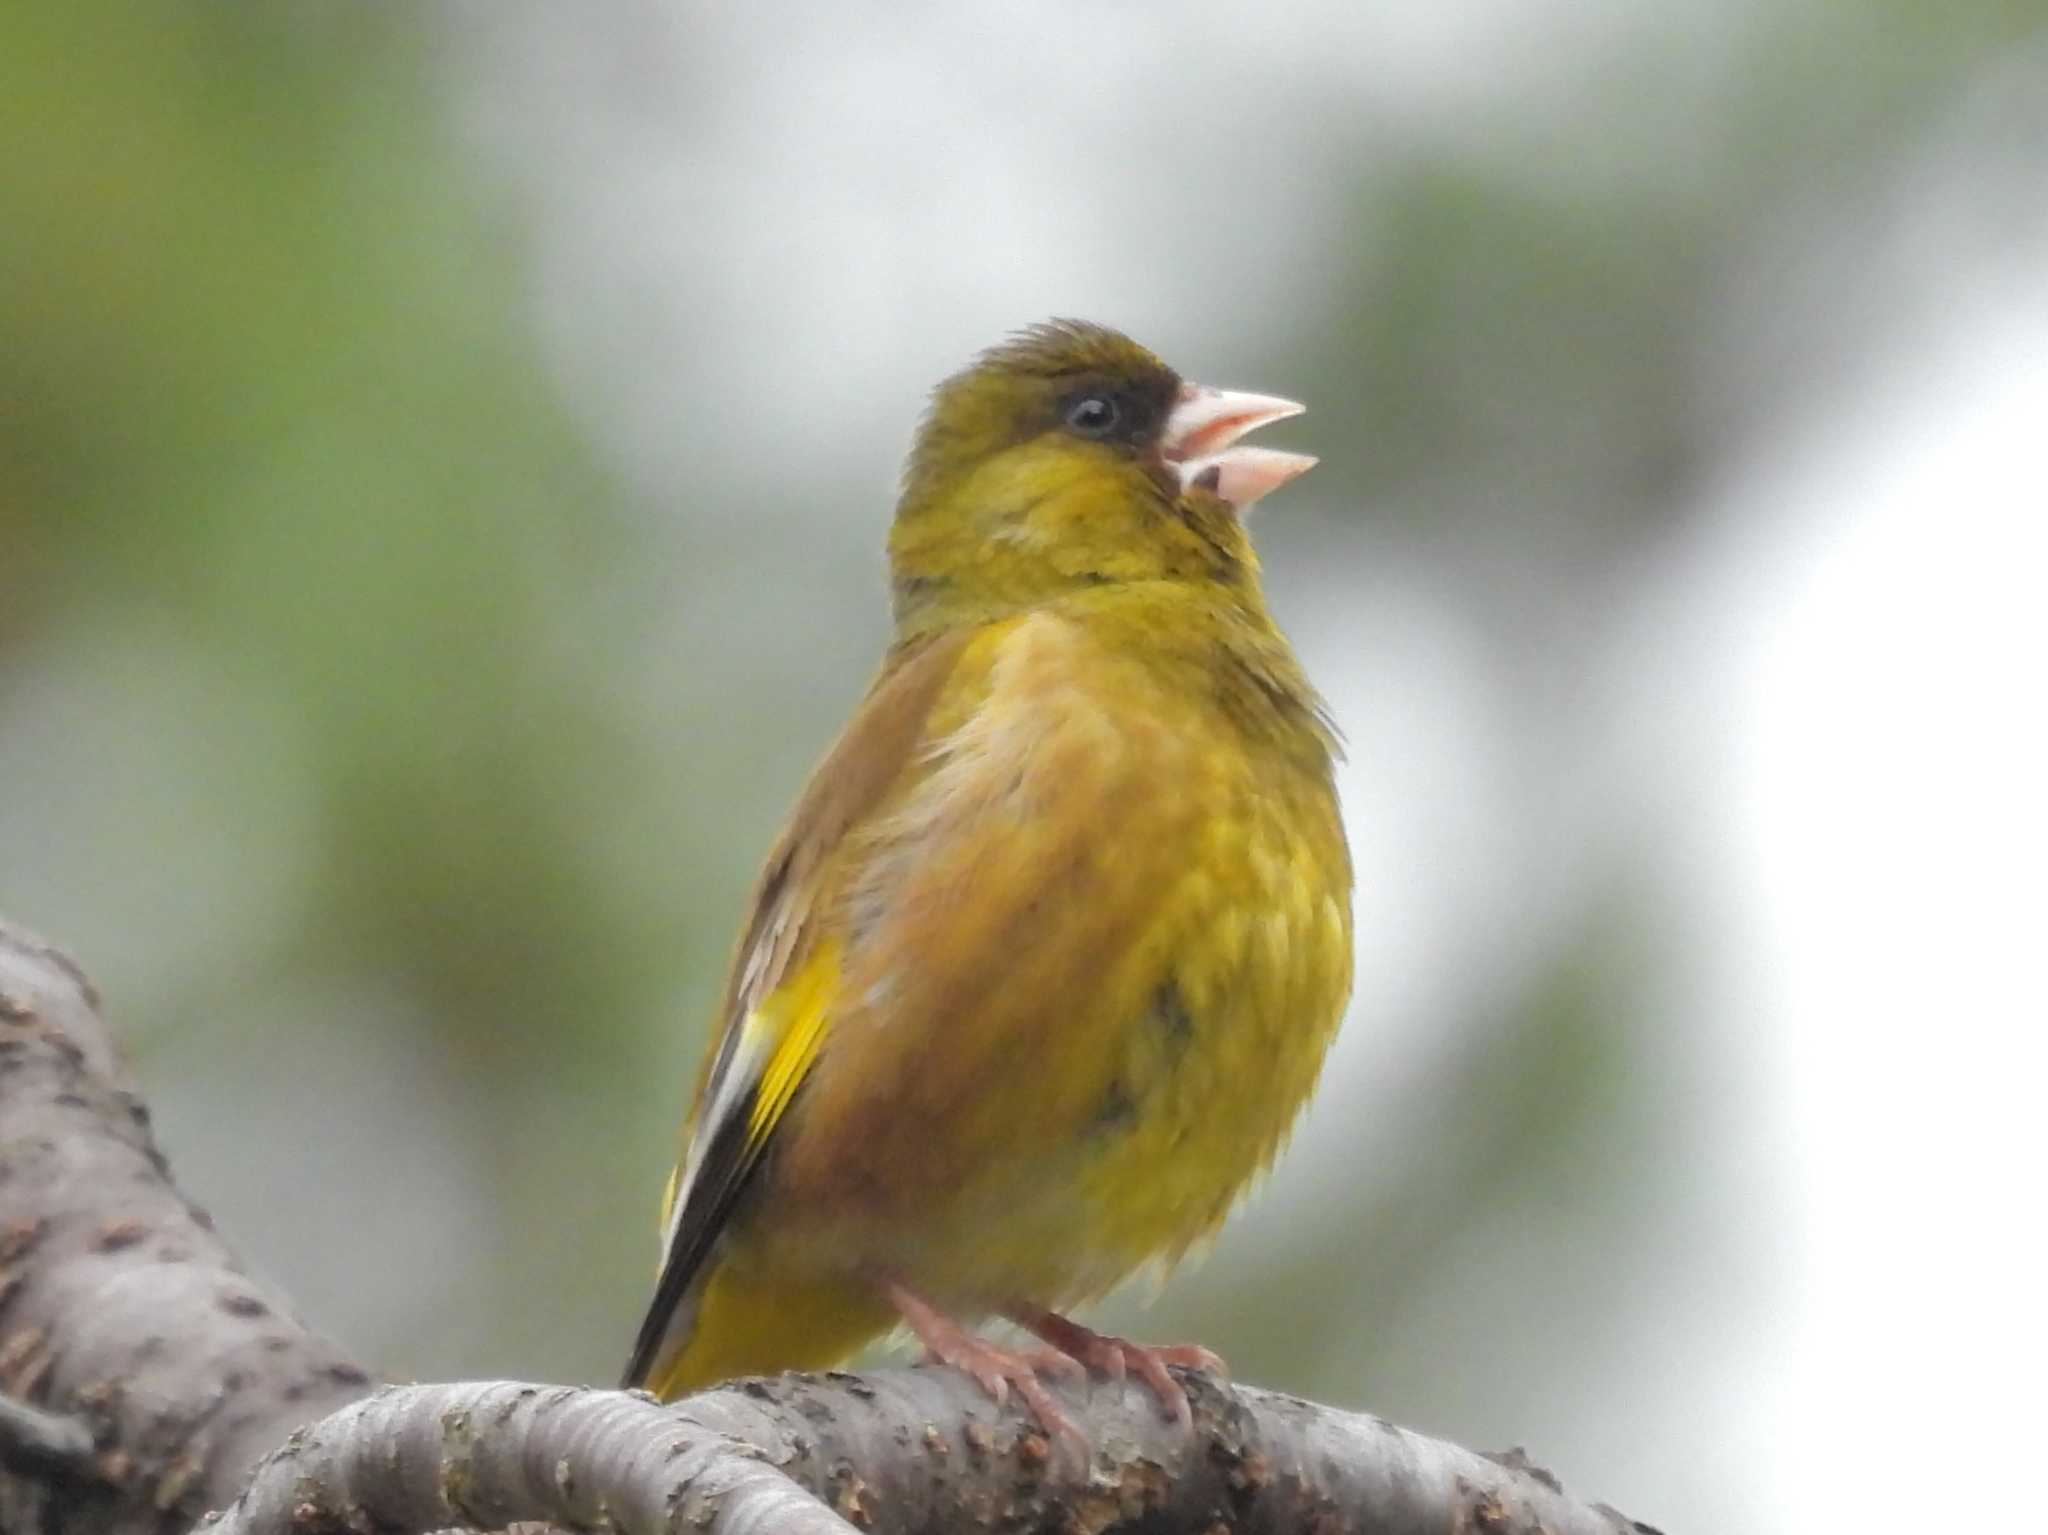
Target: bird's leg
(998,1371)
(1112,1357)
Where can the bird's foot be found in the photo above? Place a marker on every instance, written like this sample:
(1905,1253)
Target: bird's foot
(1113,1358)
(997,1370)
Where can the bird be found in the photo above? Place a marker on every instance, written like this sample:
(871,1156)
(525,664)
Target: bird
(1045,962)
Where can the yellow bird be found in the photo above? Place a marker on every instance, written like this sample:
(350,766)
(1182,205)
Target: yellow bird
(1047,958)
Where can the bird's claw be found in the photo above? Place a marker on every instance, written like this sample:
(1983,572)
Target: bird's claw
(1113,1358)
(996,1370)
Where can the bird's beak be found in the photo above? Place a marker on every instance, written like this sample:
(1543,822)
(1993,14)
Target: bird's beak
(1203,425)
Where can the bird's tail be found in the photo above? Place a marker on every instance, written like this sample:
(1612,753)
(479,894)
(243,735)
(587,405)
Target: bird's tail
(733,1322)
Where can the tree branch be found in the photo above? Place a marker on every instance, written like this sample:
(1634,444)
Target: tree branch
(119,1305)
(908,1451)
(483,1456)
(144,1374)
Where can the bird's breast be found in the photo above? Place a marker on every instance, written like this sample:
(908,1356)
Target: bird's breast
(1093,959)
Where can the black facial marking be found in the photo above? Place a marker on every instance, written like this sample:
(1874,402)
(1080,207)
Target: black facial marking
(1125,412)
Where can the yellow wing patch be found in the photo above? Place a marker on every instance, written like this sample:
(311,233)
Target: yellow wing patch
(774,1049)
(794,1018)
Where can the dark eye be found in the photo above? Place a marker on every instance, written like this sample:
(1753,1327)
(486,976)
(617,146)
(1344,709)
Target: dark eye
(1094,415)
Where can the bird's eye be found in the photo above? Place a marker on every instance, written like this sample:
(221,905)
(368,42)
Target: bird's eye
(1093,415)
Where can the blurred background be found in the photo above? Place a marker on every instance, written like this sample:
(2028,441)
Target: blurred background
(444,454)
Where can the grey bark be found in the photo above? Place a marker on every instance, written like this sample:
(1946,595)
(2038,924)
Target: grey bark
(120,1309)
(912,1451)
(146,1377)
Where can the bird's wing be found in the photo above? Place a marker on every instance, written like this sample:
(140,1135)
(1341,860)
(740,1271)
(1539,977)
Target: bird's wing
(780,986)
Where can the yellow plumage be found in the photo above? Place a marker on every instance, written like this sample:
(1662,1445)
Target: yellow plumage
(1047,959)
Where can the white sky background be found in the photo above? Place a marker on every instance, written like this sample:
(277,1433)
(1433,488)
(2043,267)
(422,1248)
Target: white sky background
(1839,678)
(1882,795)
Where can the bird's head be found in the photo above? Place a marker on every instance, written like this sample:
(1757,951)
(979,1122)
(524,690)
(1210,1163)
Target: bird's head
(1070,457)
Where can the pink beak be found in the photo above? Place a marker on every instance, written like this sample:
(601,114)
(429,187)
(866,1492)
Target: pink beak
(1201,429)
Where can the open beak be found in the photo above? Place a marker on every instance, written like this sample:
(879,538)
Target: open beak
(1201,429)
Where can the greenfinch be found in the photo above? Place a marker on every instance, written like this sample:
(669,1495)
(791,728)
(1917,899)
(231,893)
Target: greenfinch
(1047,958)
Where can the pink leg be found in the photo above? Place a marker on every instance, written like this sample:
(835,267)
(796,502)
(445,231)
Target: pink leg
(1112,1357)
(998,1371)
